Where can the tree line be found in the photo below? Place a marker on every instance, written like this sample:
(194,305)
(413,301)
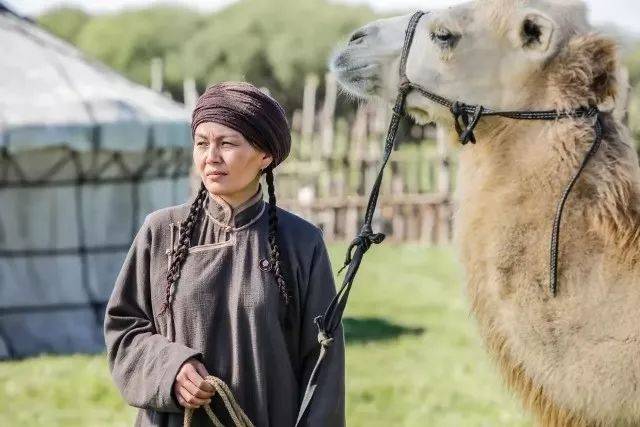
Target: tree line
(271,43)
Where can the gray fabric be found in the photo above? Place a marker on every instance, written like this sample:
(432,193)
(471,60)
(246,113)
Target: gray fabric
(52,286)
(53,100)
(228,313)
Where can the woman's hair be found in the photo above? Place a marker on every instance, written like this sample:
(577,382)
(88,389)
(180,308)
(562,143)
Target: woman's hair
(262,121)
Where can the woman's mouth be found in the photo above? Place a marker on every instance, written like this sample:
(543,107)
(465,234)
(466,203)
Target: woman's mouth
(215,175)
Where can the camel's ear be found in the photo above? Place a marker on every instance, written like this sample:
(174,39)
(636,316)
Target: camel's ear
(587,71)
(536,34)
(601,54)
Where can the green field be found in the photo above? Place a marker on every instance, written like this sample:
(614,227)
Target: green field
(413,358)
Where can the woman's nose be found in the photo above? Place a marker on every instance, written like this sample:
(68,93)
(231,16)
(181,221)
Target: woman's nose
(213,154)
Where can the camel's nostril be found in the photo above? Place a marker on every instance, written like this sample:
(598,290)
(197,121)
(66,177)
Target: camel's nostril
(357,36)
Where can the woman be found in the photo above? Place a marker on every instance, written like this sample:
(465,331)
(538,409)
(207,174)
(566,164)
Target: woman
(226,285)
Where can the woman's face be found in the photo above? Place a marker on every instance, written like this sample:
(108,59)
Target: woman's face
(227,163)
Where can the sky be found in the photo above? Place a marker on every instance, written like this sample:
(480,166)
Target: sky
(624,13)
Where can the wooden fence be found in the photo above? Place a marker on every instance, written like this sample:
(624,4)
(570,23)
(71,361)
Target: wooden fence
(334,162)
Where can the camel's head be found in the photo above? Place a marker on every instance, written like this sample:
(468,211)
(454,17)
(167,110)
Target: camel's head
(503,54)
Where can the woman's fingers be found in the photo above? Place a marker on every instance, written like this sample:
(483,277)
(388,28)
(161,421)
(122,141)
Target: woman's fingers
(188,400)
(190,387)
(201,369)
(182,396)
(184,403)
(198,380)
(194,390)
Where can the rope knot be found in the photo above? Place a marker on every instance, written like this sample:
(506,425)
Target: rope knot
(461,113)
(324,339)
(364,240)
(405,85)
(457,108)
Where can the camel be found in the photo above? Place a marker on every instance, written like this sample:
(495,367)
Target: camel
(572,358)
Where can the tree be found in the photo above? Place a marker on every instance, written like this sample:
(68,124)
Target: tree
(65,22)
(271,43)
(129,40)
(632,61)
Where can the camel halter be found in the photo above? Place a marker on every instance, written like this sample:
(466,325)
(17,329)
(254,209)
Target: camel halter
(466,117)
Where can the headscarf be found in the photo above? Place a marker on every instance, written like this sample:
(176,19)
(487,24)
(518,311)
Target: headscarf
(246,109)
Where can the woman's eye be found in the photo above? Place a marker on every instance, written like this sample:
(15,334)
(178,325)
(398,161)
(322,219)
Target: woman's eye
(201,143)
(228,143)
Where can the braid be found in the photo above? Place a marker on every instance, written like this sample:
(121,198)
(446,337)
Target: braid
(273,237)
(180,255)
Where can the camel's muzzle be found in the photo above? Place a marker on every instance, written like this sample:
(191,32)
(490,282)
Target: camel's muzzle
(359,65)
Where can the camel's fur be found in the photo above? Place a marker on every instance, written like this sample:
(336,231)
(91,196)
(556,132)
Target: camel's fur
(580,350)
(573,359)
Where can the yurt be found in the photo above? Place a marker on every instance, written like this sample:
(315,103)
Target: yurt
(85,154)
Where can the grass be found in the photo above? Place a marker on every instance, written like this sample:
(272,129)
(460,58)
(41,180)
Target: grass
(413,358)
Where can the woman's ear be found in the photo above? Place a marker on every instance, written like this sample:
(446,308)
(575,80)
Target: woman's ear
(266,161)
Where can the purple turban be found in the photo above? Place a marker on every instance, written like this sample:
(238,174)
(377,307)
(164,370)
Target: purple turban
(244,108)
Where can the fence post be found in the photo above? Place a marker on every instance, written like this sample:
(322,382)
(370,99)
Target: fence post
(156,74)
(189,93)
(357,155)
(444,187)
(444,169)
(308,113)
(327,115)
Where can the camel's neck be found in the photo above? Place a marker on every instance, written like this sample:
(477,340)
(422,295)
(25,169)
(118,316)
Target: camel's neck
(510,182)
(514,165)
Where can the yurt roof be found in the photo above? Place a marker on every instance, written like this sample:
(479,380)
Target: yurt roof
(52,94)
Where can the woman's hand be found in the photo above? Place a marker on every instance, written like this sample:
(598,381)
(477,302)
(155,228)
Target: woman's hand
(190,388)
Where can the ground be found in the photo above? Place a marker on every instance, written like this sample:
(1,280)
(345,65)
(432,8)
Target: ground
(413,358)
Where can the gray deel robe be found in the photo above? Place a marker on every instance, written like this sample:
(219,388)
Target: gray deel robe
(227,313)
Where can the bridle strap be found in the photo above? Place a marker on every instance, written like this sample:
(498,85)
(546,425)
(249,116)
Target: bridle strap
(466,117)
(406,46)
(470,114)
(555,234)
(328,322)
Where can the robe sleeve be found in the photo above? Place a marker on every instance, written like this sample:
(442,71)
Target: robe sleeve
(328,405)
(143,362)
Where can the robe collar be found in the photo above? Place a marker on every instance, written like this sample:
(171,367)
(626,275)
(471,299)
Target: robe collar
(222,212)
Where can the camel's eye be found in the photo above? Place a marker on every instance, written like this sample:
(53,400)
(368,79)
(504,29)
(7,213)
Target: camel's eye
(444,38)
